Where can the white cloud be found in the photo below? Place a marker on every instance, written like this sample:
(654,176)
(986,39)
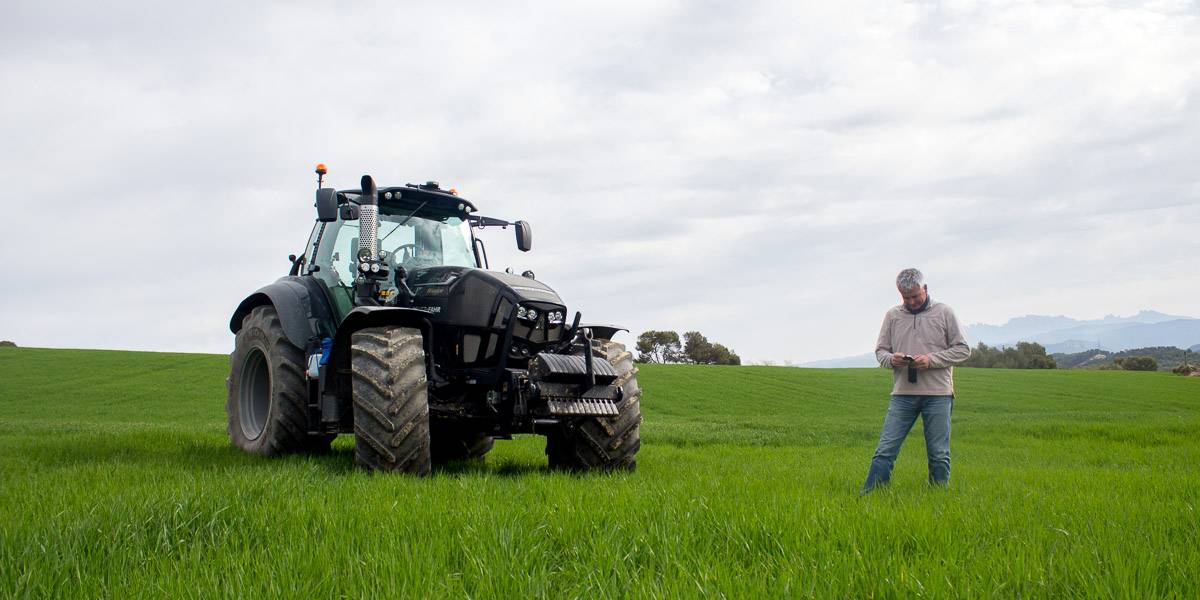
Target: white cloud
(757,173)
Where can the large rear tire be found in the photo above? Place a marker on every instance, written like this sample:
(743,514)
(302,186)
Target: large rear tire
(391,400)
(603,443)
(266,409)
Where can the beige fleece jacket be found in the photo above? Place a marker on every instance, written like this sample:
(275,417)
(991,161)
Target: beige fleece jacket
(935,332)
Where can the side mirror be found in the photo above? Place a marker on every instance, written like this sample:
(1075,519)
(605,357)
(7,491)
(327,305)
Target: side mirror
(350,212)
(524,236)
(327,206)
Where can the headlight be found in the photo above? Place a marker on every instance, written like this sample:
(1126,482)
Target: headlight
(556,317)
(521,313)
(374,267)
(364,267)
(531,314)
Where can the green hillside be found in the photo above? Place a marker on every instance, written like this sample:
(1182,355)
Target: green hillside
(118,481)
(1168,357)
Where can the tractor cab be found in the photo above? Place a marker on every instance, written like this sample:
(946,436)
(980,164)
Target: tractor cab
(417,230)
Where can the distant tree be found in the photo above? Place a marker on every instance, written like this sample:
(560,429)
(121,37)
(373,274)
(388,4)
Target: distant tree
(659,347)
(1137,363)
(982,356)
(7,344)
(697,349)
(724,356)
(1184,367)
(1025,355)
(1033,356)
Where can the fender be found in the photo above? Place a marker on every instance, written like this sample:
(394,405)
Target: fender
(303,309)
(603,332)
(376,316)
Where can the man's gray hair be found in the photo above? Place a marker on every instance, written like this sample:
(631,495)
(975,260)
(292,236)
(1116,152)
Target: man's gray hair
(909,279)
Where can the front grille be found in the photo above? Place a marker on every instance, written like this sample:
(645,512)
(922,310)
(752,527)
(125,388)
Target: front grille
(568,400)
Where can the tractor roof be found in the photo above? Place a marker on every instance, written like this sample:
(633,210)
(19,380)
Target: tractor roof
(413,195)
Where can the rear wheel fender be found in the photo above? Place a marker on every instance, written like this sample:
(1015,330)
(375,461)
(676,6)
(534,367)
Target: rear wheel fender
(301,304)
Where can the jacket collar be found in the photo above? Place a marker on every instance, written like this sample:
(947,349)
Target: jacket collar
(924,307)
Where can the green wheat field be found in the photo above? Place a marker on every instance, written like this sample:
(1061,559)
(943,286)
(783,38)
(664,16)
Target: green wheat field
(117,480)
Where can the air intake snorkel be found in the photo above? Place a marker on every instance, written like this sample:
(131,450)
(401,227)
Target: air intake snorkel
(368,221)
(370,269)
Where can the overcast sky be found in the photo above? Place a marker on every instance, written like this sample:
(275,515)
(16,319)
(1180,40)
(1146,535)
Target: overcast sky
(757,171)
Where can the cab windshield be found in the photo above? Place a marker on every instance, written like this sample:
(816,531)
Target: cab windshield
(416,243)
(420,243)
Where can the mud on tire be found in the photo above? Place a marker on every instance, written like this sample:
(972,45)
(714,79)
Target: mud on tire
(604,443)
(266,408)
(391,400)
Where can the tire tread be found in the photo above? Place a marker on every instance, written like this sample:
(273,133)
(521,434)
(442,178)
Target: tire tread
(391,400)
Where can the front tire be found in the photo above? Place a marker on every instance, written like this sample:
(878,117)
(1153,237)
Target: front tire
(266,410)
(391,400)
(604,443)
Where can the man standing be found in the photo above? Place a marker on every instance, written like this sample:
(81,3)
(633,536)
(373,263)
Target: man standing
(920,341)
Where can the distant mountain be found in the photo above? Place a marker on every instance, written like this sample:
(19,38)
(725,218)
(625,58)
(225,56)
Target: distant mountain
(1145,316)
(849,362)
(1123,336)
(1063,334)
(1069,346)
(1017,328)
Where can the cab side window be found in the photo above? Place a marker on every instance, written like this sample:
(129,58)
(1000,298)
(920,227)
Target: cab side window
(343,261)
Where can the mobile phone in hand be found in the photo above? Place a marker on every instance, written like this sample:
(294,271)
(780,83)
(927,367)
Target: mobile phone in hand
(909,357)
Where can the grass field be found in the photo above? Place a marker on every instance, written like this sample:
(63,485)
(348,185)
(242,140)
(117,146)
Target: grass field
(117,480)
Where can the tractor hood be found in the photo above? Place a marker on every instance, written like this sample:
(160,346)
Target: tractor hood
(451,277)
(476,297)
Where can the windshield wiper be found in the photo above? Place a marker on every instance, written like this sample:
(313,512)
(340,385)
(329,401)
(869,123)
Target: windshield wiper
(406,219)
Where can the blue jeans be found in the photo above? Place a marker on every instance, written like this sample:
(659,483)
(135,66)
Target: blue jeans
(902,413)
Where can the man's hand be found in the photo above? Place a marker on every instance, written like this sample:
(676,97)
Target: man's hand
(898,360)
(920,362)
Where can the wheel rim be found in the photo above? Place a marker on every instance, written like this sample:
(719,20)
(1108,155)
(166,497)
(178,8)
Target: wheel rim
(254,394)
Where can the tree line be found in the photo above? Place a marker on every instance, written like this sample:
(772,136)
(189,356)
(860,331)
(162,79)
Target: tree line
(1166,358)
(1025,355)
(1031,355)
(1132,363)
(666,347)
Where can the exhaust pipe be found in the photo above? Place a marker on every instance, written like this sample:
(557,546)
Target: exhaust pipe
(368,223)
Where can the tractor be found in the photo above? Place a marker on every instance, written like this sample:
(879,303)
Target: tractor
(390,325)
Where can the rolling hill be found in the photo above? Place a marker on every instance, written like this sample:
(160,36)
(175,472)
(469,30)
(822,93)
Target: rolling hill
(119,481)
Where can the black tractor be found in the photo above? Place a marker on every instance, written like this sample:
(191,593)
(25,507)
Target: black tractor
(391,326)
